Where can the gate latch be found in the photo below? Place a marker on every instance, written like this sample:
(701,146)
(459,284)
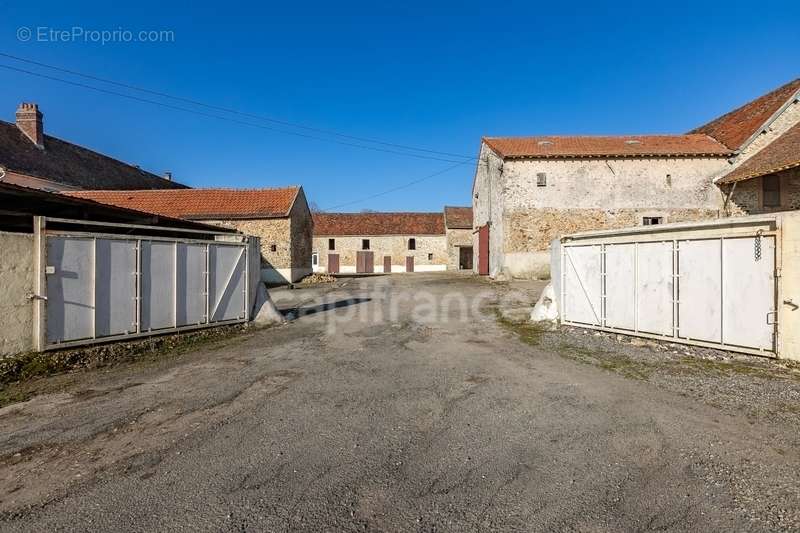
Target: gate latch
(32,296)
(791,304)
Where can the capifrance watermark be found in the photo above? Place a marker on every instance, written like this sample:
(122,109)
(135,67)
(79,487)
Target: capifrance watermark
(378,302)
(102,36)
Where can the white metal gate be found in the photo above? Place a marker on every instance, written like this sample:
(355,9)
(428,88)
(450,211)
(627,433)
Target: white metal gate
(102,287)
(711,291)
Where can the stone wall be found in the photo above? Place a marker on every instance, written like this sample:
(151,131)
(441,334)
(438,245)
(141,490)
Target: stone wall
(395,246)
(302,233)
(487,206)
(272,232)
(747,197)
(16,280)
(456,238)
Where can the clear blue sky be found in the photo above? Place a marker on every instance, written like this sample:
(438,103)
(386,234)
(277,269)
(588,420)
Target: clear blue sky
(433,76)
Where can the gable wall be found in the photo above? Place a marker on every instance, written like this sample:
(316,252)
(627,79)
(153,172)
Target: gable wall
(487,207)
(587,194)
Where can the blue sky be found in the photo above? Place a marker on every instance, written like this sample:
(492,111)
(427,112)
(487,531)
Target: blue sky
(431,76)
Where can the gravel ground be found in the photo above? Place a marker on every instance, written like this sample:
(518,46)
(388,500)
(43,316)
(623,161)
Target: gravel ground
(382,406)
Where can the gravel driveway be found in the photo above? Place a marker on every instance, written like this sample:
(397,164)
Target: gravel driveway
(393,403)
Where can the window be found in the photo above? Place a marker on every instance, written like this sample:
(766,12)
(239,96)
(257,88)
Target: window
(331,244)
(365,244)
(430,257)
(541,179)
(412,244)
(314,259)
(652,221)
(771,191)
(273,247)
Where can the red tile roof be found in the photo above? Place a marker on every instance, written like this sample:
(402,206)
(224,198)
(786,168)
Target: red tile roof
(781,154)
(458,217)
(378,224)
(201,204)
(734,128)
(606,146)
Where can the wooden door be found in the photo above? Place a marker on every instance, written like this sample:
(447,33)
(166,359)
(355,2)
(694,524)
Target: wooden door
(483,250)
(333,263)
(387,263)
(365,262)
(410,263)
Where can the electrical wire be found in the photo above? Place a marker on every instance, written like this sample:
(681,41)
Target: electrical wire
(233,111)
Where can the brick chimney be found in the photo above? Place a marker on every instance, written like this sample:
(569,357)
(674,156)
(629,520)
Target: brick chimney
(29,121)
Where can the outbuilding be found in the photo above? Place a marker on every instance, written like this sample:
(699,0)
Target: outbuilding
(280,217)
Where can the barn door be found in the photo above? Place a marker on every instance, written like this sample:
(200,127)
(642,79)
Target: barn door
(387,263)
(365,262)
(333,263)
(410,263)
(483,250)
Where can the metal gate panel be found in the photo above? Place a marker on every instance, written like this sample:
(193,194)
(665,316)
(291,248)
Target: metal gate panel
(191,279)
(620,288)
(158,285)
(700,289)
(654,287)
(748,292)
(115,287)
(582,284)
(226,282)
(70,305)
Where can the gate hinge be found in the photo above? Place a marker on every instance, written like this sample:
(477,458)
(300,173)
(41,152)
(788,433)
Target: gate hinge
(32,296)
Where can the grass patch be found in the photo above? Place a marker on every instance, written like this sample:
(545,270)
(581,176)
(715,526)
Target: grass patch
(620,364)
(25,375)
(528,332)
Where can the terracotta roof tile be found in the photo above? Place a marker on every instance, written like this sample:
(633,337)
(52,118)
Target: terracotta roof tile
(378,224)
(734,128)
(70,164)
(201,204)
(606,146)
(781,154)
(458,217)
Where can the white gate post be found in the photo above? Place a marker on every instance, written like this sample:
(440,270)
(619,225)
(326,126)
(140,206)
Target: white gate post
(39,295)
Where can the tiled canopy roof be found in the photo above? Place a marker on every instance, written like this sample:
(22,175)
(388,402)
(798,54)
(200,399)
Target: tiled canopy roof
(736,127)
(606,146)
(378,224)
(781,154)
(70,164)
(458,217)
(202,204)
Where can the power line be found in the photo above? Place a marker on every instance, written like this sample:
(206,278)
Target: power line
(230,110)
(395,189)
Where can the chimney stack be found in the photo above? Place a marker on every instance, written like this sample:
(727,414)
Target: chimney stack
(168,176)
(29,121)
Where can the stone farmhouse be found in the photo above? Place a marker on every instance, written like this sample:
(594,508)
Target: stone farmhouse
(379,242)
(458,232)
(33,159)
(530,190)
(280,217)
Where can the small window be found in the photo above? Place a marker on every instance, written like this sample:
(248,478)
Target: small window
(365,244)
(314,259)
(331,244)
(652,221)
(541,179)
(430,257)
(771,189)
(412,244)
(273,247)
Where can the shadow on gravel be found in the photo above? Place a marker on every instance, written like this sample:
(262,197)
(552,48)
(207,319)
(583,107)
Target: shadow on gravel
(298,312)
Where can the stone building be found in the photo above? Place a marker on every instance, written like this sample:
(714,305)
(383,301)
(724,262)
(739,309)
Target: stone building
(458,231)
(31,158)
(530,190)
(280,217)
(379,242)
